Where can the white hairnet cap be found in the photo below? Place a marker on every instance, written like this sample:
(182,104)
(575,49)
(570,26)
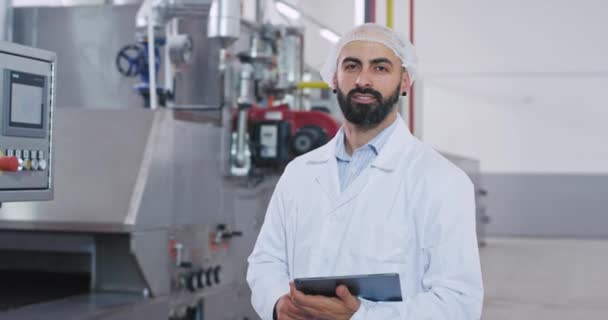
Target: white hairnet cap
(374,33)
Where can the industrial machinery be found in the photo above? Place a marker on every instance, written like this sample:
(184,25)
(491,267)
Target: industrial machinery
(143,220)
(140,226)
(132,61)
(271,127)
(157,23)
(471,167)
(27,92)
(279,133)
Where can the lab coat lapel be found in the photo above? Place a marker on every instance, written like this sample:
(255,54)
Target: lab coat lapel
(353,189)
(326,173)
(398,146)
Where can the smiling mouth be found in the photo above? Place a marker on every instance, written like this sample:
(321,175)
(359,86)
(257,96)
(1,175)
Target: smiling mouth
(363,98)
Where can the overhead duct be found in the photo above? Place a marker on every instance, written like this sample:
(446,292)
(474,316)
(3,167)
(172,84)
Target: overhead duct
(224,21)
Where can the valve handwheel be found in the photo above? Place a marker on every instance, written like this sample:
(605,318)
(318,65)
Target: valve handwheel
(130,60)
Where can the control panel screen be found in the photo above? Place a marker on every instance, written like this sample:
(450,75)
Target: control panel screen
(26,105)
(26,100)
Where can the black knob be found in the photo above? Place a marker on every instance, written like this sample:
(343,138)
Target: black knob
(216,274)
(200,275)
(209,276)
(192,283)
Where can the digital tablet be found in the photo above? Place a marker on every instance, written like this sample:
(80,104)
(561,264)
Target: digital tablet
(373,287)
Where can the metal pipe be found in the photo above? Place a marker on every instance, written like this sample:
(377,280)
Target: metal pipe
(313,85)
(389,14)
(6,21)
(260,8)
(224,21)
(151,65)
(370,11)
(170,30)
(240,140)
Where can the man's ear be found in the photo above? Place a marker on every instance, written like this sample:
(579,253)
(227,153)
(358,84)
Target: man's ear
(406,82)
(334,81)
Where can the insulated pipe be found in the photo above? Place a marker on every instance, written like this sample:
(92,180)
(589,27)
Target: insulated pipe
(170,31)
(224,22)
(241,128)
(260,8)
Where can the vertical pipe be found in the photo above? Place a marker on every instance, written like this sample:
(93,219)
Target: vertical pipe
(373,10)
(170,30)
(411,100)
(260,8)
(241,128)
(151,64)
(389,14)
(359,12)
(6,20)
(370,11)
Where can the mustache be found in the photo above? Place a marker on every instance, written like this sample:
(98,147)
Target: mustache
(377,95)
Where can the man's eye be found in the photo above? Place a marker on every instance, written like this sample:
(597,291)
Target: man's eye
(350,67)
(381,68)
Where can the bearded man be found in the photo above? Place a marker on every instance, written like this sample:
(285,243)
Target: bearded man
(372,200)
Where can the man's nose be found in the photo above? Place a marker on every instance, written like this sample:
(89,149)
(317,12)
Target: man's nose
(364,80)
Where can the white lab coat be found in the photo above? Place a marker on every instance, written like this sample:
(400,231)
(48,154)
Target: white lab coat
(411,212)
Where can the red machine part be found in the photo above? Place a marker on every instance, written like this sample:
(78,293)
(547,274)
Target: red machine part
(298,119)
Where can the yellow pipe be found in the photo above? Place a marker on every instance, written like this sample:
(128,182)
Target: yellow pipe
(313,85)
(389,13)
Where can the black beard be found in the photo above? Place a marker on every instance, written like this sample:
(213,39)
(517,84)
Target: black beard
(367,116)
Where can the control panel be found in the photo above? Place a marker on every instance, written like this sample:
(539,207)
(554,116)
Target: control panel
(27,78)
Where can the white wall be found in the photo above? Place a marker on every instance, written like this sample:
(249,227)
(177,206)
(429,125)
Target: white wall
(518,84)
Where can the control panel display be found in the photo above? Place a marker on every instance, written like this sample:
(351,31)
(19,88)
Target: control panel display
(26,105)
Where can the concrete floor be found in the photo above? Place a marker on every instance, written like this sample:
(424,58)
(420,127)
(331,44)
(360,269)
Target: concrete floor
(545,279)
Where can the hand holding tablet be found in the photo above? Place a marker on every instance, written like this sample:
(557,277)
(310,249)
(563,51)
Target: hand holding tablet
(373,287)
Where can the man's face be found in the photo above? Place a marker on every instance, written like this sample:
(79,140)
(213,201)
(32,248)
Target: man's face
(369,80)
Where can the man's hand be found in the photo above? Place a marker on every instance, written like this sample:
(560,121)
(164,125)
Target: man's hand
(287,310)
(319,307)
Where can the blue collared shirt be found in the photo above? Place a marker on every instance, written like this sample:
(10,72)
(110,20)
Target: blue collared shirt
(349,167)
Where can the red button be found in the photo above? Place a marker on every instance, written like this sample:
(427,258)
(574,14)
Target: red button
(9,164)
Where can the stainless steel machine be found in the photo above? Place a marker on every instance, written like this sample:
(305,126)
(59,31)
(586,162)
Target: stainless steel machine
(142,223)
(142,220)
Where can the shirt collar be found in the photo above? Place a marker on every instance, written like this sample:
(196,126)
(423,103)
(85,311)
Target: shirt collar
(375,144)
